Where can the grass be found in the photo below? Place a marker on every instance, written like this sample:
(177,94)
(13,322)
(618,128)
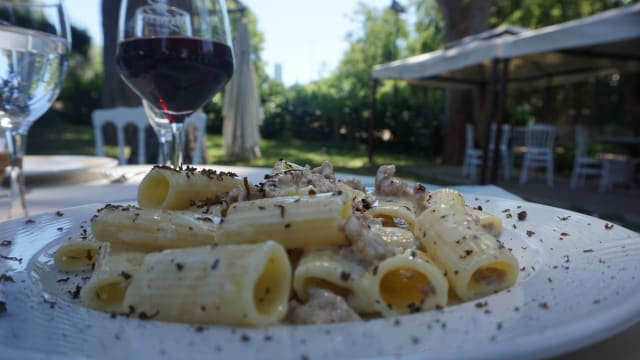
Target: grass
(351,158)
(60,139)
(64,138)
(67,138)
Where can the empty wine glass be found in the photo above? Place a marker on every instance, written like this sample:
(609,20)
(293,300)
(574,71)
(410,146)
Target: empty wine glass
(176,55)
(35,42)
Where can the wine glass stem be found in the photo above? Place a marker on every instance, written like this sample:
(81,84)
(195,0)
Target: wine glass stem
(16,144)
(178,143)
(166,147)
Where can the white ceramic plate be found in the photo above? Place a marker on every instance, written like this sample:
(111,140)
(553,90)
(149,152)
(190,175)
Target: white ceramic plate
(579,283)
(56,165)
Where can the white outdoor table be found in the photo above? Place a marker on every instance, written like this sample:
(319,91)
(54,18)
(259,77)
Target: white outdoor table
(619,139)
(103,189)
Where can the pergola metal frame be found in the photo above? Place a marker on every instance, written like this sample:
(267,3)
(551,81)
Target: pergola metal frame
(605,43)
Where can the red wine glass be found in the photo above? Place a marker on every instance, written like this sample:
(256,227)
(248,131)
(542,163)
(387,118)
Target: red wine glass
(176,55)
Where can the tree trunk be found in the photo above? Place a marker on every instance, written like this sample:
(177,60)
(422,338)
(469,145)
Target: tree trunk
(631,93)
(462,18)
(114,91)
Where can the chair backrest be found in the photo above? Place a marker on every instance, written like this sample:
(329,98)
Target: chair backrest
(199,121)
(505,135)
(540,137)
(582,141)
(120,117)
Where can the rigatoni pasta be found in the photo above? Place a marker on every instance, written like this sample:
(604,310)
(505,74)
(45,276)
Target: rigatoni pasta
(77,254)
(398,212)
(167,188)
(408,283)
(293,221)
(326,269)
(114,271)
(489,222)
(153,229)
(228,284)
(476,263)
(397,238)
(301,247)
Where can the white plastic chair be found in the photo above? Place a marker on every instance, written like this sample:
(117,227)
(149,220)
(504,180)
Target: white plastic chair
(120,117)
(539,141)
(123,116)
(584,165)
(472,155)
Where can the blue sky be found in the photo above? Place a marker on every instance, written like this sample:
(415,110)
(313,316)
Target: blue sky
(307,37)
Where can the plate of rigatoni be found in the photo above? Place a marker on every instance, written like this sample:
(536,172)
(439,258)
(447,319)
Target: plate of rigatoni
(304,265)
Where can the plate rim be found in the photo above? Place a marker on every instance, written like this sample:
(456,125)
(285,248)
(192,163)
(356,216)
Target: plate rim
(624,316)
(100,162)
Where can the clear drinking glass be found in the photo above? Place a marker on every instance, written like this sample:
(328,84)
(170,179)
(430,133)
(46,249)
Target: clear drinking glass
(176,55)
(162,127)
(35,43)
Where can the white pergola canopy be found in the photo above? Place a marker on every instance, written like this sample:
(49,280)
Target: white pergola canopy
(604,43)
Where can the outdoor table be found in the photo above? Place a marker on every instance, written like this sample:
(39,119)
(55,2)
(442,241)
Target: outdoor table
(619,139)
(120,183)
(627,145)
(621,167)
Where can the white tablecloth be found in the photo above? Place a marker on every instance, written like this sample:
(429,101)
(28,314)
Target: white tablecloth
(101,188)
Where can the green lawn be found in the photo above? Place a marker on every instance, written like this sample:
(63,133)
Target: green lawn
(74,139)
(48,138)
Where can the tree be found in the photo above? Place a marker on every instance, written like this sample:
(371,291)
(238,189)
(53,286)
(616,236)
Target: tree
(114,91)
(337,108)
(428,27)
(79,93)
(462,18)
(535,14)
(611,102)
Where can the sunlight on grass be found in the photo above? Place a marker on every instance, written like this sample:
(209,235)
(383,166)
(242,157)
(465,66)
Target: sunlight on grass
(66,138)
(352,158)
(345,157)
(77,136)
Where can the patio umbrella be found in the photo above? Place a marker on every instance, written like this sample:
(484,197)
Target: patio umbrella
(241,111)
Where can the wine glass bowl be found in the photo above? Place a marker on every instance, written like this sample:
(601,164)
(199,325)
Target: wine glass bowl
(34,45)
(176,55)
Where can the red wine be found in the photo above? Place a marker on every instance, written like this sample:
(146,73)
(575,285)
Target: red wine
(175,74)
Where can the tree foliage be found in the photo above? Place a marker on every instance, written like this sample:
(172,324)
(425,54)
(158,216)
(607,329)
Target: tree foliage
(539,13)
(80,93)
(597,103)
(462,18)
(337,107)
(428,29)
